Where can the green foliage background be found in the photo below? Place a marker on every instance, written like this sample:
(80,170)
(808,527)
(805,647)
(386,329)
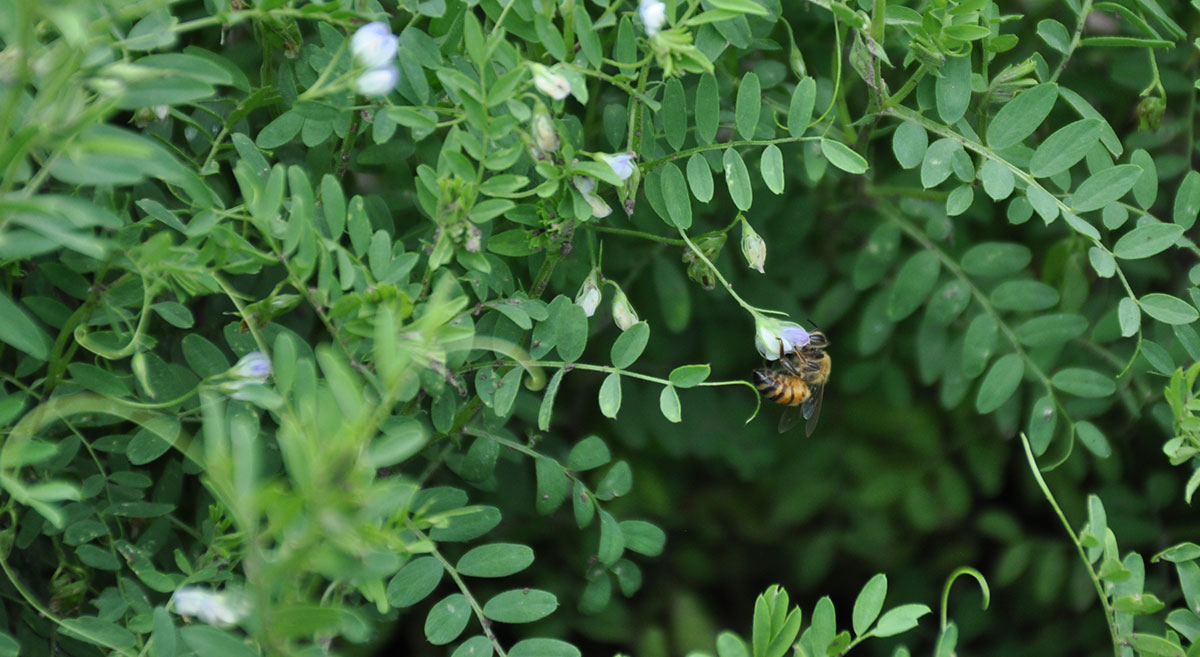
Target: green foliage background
(989,208)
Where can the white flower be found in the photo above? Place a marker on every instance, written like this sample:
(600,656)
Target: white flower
(621,164)
(584,184)
(753,247)
(374,45)
(589,294)
(654,15)
(587,186)
(622,310)
(774,338)
(377,82)
(210,607)
(544,133)
(254,367)
(550,83)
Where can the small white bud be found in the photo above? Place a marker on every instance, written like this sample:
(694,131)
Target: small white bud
(654,15)
(753,247)
(374,45)
(589,294)
(623,312)
(378,81)
(544,133)
(550,83)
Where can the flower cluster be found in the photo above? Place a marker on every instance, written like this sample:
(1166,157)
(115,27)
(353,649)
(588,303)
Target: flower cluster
(374,48)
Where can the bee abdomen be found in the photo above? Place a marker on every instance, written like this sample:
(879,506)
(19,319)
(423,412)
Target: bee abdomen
(780,388)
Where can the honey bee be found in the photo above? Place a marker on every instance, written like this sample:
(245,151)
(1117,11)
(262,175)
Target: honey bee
(800,385)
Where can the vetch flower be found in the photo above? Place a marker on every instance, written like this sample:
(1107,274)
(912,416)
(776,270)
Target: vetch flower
(623,312)
(374,45)
(774,338)
(544,133)
(378,81)
(550,83)
(589,294)
(654,15)
(214,608)
(753,247)
(621,164)
(253,369)
(586,186)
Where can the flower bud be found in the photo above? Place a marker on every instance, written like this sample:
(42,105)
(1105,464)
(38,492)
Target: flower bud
(774,338)
(621,164)
(214,608)
(622,310)
(587,186)
(550,83)
(544,133)
(253,369)
(589,294)
(374,45)
(697,269)
(654,15)
(753,247)
(1150,112)
(377,82)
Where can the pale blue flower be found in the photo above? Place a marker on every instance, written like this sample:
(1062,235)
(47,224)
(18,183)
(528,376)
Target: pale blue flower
(374,45)
(774,338)
(377,82)
(621,164)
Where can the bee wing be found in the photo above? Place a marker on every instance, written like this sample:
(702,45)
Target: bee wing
(790,417)
(811,409)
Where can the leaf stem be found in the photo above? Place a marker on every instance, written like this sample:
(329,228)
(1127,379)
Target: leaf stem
(462,587)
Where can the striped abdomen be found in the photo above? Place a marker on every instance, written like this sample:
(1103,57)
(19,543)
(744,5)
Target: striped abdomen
(781,387)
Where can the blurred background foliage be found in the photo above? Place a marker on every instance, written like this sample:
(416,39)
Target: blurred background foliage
(903,475)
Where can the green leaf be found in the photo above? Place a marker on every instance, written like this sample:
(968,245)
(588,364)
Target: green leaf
(900,619)
(912,284)
(1054,34)
(553,485)
(1168,309)
(676,197)
(1083,382)
(478,645)
(1154,646)
(582,505)
(952,89)
(1025,296)
(842,157)
(771,167)
(1043,419)
(700,178)
(998,180)
(616,482)
(674,114)
(1147,240)
(998,385)
(447,619)
(959,200)
(414,582)
(102,633)
(546,409)
(1129,317)
(570,328)
(748,106)
(612,540)
(588,454)
(610,395)
(800,108)
(280,131)
(468,524)
(1145,191)
(20,330)
(689,376)
(1104,187)
(909,143)
(869,603)
(668,403)
(978,343)
(707,109)
(520,606)
(1043,202)
(643,537)
(209,641)
(495,560)
(629,345)
(1187,201)
(737,177)
(1021,116)
(996,258)
(1067,146)
(937,165)
(164,637)
(543,648)
(1102,261)
(1093,439)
